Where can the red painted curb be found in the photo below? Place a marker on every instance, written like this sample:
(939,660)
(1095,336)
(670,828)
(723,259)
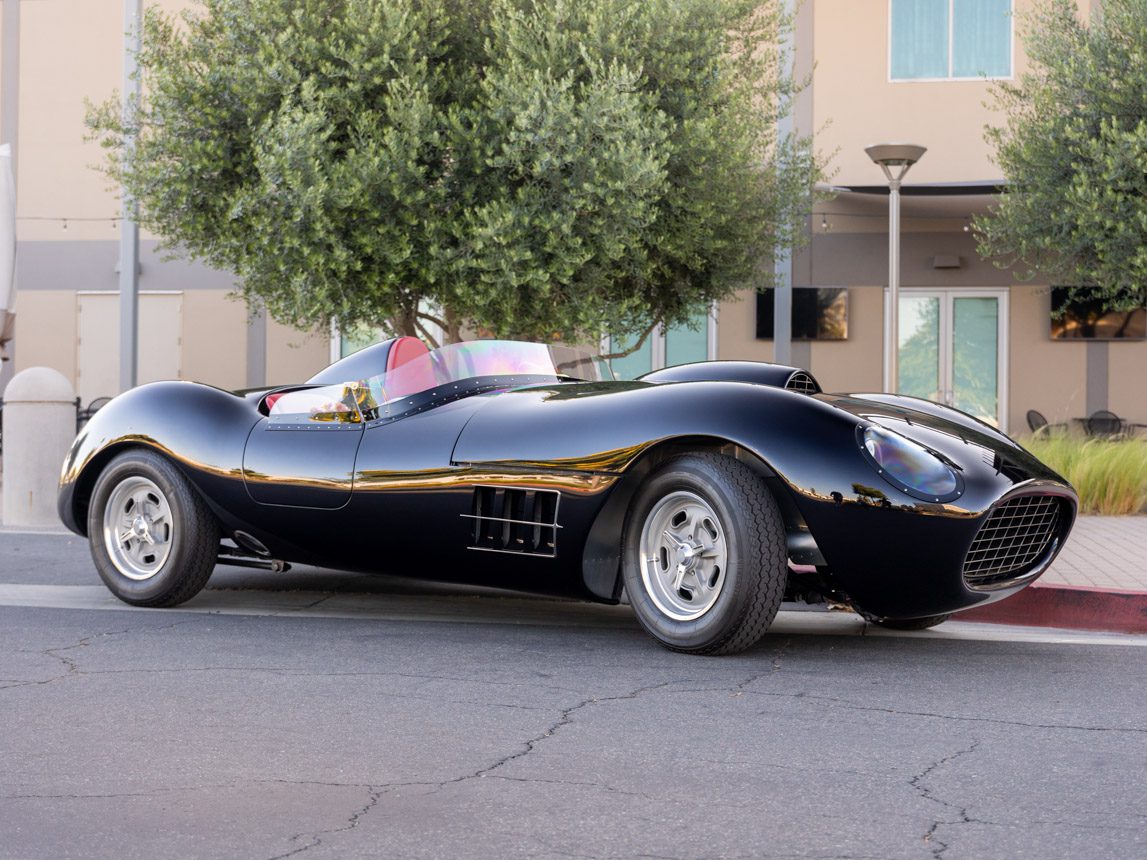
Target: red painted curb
(1070,606)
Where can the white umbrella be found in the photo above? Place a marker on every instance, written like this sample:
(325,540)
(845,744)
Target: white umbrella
(7,246)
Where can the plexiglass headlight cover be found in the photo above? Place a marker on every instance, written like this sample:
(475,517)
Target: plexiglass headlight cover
(909,466)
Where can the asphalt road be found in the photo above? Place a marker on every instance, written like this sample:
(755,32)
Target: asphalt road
(321,715)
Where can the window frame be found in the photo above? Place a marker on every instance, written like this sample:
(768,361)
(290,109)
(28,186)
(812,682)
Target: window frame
(951,37)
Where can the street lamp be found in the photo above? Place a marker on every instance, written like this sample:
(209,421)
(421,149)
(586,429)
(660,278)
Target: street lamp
(129,235)
(889,156)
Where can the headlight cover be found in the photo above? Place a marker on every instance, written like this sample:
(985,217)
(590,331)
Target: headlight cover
(909,466)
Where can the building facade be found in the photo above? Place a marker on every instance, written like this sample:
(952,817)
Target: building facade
(55,56)
(972,334)
(915,71)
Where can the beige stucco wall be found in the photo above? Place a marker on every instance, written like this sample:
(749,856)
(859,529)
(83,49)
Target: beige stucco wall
(72,52)
(1127,380)
(855,104)
(49,318)
(294,356)
(214,339)
(848,365)
(1045,375)
(855,364)
(737,330)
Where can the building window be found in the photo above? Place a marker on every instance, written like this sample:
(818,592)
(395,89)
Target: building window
(950,39)
(683,344)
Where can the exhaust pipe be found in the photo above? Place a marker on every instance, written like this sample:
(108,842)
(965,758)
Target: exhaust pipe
(272,564)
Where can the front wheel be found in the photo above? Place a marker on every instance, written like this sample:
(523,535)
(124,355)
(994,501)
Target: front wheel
(153,539)
(704,559)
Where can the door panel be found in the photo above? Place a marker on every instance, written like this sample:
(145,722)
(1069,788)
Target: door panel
(97,348)
(975,356)
(919,368)
(303,454)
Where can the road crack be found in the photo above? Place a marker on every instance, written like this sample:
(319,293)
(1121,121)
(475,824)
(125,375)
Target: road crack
(918,784)
(852,706)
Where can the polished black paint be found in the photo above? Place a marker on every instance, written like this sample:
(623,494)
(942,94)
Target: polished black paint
(777,375)
(394,494)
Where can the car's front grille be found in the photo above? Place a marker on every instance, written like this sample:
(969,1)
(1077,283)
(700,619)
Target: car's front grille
(802,383)
(1011,540)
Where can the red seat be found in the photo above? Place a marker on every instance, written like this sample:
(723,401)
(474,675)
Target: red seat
(409,368)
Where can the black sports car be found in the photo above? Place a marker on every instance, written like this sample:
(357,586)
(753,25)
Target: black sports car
(704,492)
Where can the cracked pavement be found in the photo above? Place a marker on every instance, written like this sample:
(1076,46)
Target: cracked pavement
(173,734)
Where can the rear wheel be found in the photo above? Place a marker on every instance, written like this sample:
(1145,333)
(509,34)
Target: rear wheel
(704,555)
(153,539)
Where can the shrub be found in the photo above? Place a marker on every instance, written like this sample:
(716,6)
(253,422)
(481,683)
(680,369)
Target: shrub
(1110,476)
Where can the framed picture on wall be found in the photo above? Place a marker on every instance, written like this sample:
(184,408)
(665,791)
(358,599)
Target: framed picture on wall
(819,313)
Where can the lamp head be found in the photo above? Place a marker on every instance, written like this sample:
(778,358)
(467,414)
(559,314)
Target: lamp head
(895,154)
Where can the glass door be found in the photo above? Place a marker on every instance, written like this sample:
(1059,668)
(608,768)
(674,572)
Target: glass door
(953,348)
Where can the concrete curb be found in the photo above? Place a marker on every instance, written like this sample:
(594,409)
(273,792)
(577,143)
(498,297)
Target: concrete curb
(1069,606)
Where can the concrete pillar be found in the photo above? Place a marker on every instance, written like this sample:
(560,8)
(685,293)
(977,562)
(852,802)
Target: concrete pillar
(39,426)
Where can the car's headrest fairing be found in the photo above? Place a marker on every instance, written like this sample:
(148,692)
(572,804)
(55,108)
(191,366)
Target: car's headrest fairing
(367,362)
(757,372)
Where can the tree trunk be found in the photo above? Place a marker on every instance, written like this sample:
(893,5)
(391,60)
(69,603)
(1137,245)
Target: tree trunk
(405,323)
(453,333)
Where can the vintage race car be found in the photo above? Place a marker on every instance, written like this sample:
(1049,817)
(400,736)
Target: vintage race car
(704,493)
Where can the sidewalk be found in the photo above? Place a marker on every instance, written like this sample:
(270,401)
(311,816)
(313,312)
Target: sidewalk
(1098,582)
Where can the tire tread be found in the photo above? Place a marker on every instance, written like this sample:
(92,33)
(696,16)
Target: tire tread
(766,551)
(199,531)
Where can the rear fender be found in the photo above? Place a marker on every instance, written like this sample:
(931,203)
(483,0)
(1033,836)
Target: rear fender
(200,429)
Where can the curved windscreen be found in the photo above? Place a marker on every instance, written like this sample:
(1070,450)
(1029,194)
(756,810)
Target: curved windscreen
(497,362)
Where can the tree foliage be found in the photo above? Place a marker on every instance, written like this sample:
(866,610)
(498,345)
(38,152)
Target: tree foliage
(1074,151)
(536,168)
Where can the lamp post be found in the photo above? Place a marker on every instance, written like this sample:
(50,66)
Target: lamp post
(900,156)
(129,235)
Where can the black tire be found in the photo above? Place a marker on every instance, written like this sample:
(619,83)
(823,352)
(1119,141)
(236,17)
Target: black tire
(913,623)
(755,563)
(191,533)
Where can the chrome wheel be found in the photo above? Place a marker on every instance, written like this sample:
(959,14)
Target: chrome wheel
(683,556)
(138,528)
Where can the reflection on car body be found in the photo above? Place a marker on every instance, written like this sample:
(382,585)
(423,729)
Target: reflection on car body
(705,491)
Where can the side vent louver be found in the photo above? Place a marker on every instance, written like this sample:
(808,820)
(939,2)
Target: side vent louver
(516,520)
(802,383)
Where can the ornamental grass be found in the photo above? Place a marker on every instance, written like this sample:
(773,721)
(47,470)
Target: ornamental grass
(1109,475)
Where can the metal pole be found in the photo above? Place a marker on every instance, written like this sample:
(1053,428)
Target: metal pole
(892,342)
(887,156)
(783,262)
(129,238)
(10,88)
(10,134)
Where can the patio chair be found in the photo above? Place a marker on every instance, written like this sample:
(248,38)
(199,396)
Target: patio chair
(1105,424)
(1039,425)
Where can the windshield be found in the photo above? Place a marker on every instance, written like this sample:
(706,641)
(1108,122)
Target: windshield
(481,364)
(501,362)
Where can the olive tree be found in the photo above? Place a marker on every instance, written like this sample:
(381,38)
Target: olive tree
(1074,151)
(532,168)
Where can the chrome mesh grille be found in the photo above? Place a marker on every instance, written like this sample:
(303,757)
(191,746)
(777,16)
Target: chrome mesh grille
(802,383)
(1011,540)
